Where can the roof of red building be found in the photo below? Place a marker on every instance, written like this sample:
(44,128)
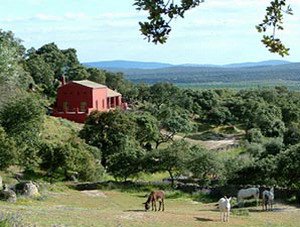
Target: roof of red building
(112,93)
(88,83)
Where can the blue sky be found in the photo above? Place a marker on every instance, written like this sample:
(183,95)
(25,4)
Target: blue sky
(218,32)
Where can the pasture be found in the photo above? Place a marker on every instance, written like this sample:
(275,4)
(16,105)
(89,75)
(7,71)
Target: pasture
(115,208)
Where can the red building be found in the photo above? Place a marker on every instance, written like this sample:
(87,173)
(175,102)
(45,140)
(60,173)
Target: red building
(77,99)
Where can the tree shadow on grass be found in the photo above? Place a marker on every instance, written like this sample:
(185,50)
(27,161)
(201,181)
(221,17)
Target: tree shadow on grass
(142,196)
(256,210)
(213,210)
(203,219)
(142,210)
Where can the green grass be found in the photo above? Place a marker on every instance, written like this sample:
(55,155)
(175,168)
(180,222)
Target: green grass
(59,130)
(115,208)
(153,177)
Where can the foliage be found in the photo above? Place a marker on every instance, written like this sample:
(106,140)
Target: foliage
(108,131)
(158,28)
(42,73)
(254,135)
(255,149)
(171,159)
(147,128)
(12,73)
(260,171)
(127,162)
(8,150)
(163,93)
(97,75)
(203,164)
(22,119)
(273,146)
(274,19)
(218,115)
(48,63)
(72,158)
(161,13)
(77,72)
(292,135)
(288,168)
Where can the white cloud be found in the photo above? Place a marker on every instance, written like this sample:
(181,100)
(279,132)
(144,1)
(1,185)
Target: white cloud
(45,17)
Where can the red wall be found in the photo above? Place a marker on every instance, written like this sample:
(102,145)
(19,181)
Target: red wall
(77,117)
(74,94)
(99,96)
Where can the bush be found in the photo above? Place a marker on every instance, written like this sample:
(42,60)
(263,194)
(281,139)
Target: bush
(273,146)
(127,162)
(203,164)
(8,151)
(292,135)
(73,158)
(254,135)
(255,149)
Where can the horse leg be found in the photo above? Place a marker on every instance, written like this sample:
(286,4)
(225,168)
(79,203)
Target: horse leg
(155,205)
(221,215)
(227,215)
(271,204)
(159,205)
(163,205)
(152,205)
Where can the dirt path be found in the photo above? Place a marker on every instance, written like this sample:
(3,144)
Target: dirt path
(231,141)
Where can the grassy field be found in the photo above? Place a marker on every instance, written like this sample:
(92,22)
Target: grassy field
(115,208)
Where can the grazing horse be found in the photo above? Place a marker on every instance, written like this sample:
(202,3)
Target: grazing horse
(248,193)
(268,199)
(224,207)
(153,198)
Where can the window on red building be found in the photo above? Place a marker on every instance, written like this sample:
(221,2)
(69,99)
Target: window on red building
(65,106)
(82,106)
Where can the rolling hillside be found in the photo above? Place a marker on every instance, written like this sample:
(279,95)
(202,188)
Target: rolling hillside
(178,75)
(249,74)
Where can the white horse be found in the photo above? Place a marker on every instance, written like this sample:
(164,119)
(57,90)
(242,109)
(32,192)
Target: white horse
(248,193)
(268,199)
(224,207)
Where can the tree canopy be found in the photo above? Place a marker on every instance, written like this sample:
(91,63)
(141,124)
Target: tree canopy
(161,12)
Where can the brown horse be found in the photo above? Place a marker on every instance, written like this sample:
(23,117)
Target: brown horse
(153,198)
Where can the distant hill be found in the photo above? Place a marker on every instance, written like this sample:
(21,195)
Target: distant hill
(118,65)
(256,64)
(180,75)
(232,75)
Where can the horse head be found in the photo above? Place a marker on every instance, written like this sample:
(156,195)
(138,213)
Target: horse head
(147,206)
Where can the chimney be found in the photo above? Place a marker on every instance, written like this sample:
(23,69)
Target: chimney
(63,80)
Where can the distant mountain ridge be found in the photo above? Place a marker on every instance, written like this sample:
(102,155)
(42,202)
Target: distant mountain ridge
(257,64)
(270,72)
(121,64)
(189,75)
(118,65)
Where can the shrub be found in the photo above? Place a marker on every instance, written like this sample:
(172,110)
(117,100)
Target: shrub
(254,135)
(8,151)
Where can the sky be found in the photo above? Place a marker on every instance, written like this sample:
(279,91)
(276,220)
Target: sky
(217,32)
